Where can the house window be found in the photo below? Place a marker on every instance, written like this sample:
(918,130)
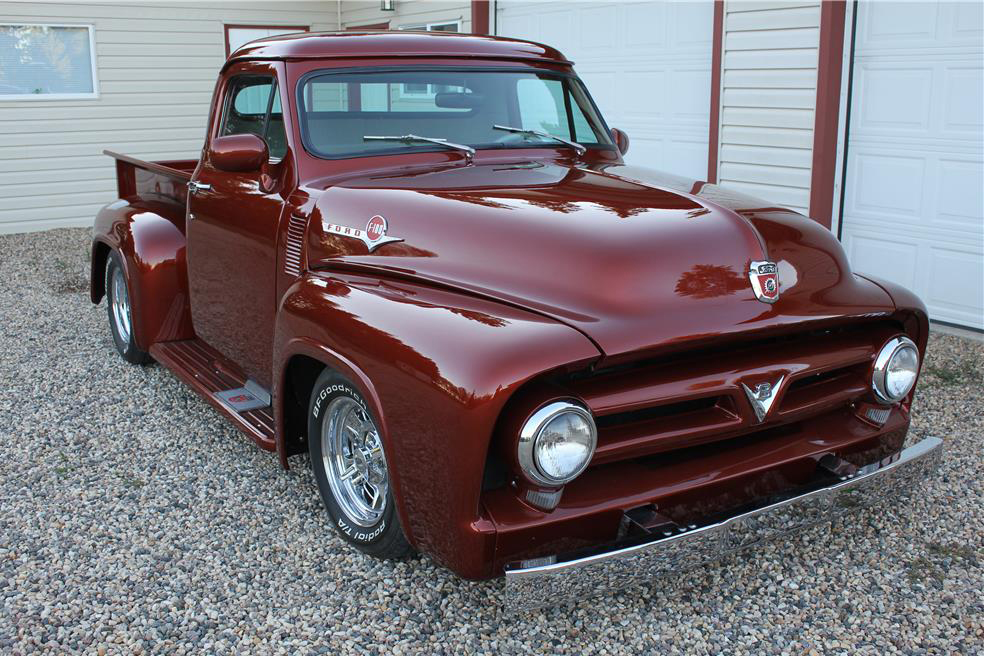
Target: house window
(424,89)
(47,62)
(237,36)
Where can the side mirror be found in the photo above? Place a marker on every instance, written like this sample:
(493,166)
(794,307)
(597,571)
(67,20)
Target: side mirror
(621,140)
(238,153)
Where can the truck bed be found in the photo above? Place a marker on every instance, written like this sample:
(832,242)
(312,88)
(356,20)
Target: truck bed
(163,184)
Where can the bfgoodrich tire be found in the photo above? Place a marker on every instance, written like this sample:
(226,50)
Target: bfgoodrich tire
(351,470)
(121,312)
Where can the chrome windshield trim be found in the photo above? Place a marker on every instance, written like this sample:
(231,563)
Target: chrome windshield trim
(545,581)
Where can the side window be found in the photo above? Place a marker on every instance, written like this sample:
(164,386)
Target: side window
(253,107)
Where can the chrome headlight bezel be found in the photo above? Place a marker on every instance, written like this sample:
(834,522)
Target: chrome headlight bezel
(533,428)
(879,372)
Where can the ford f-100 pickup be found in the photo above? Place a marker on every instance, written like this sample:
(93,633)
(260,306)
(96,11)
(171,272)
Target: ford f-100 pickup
(422,260)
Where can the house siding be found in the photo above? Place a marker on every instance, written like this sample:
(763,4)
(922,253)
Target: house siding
(156,69)
(768,99)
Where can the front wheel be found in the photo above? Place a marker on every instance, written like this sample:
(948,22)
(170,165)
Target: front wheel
(350,468)
(121,313)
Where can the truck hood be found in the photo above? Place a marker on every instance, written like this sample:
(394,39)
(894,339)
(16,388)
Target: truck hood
(634,259)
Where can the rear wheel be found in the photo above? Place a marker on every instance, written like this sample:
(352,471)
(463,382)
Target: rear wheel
(121,313)
(350,468)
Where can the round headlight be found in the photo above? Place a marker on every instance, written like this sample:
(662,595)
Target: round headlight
(556,443)
(895,371)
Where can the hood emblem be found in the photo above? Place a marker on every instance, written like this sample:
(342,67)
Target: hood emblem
(373,236)
(764,276)
(762,397)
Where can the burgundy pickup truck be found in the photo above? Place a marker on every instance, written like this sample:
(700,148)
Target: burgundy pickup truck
(421,259)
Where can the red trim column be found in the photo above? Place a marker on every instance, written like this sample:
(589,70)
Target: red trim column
(715,120)
(480,16)
(827,121)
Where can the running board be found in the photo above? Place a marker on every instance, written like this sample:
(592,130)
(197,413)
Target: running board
(205,371)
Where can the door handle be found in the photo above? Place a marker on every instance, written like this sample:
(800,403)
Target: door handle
(195,187)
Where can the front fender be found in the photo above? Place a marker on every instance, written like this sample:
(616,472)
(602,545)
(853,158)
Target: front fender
(152,247)
(910,311)
(437,368)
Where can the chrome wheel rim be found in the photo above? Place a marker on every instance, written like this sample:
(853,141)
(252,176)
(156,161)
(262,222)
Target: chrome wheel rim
(120,305)
(354,461)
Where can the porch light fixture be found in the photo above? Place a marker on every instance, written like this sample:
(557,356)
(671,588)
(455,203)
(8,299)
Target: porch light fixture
(387,5)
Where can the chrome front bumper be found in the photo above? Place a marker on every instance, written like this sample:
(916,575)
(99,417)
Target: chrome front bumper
(531,584)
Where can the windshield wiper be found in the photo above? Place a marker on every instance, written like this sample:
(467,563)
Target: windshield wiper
(412,138)
(546,135)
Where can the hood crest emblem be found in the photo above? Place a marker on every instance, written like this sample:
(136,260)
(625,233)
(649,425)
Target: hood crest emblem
(762,396)
(373,236)
(764,276)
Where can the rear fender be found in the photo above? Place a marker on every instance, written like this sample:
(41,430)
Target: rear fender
(152,247)
(436,368)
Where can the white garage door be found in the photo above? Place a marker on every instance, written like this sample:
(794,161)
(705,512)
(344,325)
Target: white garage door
(914,210)
(646,64)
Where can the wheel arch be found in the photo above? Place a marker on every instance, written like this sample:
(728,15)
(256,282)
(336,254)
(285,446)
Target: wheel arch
(151,246)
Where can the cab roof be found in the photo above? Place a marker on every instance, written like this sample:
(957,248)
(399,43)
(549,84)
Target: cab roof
(387,44)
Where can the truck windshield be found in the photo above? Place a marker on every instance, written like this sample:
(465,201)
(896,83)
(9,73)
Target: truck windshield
(337,110)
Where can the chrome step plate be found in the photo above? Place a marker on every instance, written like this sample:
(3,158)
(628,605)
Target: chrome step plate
(242,399)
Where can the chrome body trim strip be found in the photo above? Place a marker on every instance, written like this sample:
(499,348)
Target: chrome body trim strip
(546,581)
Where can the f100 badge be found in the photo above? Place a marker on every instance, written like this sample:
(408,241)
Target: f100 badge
(373,236)
(764,276)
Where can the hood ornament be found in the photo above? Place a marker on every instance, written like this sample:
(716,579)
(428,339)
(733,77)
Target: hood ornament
(373,236)
(762,397)
(764,276)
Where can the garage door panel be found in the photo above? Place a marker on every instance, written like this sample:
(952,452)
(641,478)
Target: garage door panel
(641,26)
(599,29)
(556,28)
(914,206)
(956,281)
(893,23)
(967,21)
(688,96)
(873,254)
(691,21)
(896,97)
(960,195)
(684,156)
(888,185)
(638,96)
(964,99)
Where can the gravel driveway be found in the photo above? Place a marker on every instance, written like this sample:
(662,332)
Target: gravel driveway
(133,519)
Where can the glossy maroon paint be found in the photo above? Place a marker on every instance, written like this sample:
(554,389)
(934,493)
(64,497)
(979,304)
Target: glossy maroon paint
(523,276)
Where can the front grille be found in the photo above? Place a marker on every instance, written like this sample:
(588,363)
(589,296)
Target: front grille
(693,398)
